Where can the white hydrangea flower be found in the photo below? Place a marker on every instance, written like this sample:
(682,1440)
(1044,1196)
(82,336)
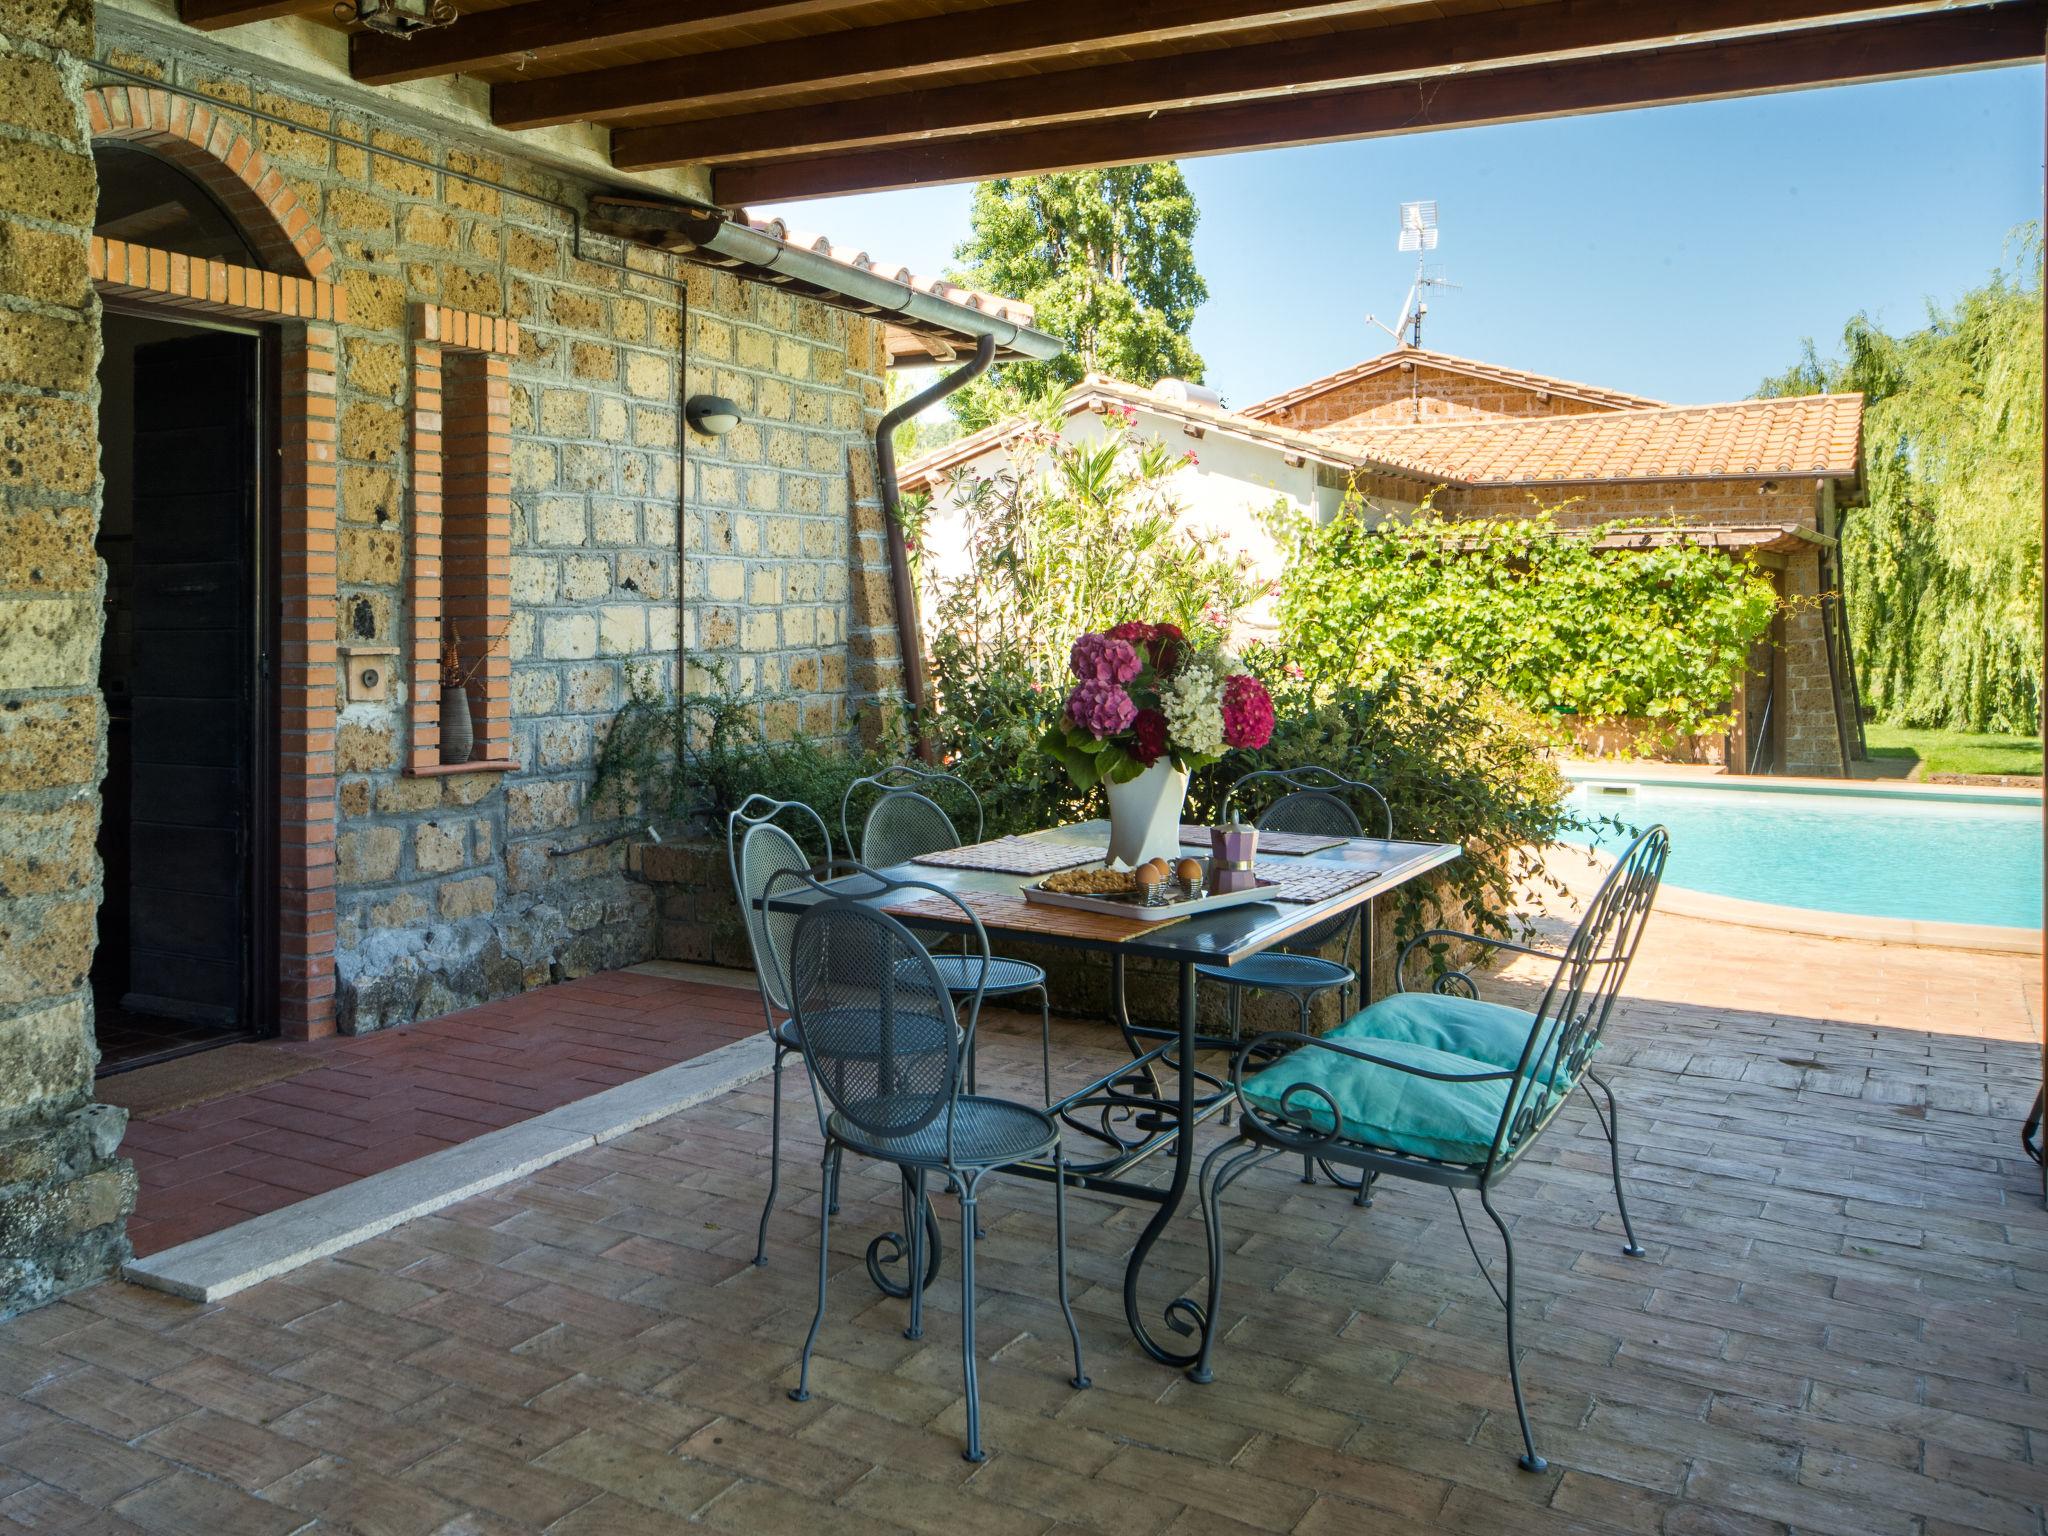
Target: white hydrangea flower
(1193,705)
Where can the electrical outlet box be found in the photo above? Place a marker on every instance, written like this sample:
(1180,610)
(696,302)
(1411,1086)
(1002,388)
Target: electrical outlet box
(367,672)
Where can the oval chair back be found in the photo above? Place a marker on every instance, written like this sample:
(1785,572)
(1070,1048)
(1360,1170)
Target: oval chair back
(759,848)
(1318,802)
(880,1033)
(906,819)
(1580,998)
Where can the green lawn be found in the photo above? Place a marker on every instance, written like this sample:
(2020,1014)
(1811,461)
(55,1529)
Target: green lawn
(1955,751)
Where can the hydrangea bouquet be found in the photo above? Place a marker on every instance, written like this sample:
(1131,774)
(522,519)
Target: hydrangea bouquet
(1144,694)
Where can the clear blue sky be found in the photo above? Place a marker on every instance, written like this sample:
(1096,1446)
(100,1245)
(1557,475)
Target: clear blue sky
(1681,252)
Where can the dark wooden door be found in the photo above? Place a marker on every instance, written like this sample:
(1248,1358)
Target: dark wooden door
(194,736)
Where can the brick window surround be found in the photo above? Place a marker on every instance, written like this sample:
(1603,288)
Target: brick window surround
(461,566)
(305,308)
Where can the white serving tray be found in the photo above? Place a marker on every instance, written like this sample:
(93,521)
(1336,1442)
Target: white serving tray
(1134,908)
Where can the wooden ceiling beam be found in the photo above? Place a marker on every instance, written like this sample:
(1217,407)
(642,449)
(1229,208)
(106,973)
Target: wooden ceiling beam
(1522,35)
(212,15)
(1021,32)
(494,39)
(1980,37)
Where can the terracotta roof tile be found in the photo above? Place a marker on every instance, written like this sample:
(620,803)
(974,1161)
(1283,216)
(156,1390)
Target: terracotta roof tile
(1014,310)
(1592,394)
(1096,392)
(1803,435)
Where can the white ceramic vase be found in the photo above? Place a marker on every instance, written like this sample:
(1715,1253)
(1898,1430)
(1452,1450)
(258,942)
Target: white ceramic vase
(1144,815)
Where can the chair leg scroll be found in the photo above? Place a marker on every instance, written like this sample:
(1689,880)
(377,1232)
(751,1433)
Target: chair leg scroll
(1610,1122)
(1059,1227)
(914,1208)
(1045,1040)
(1529,1460)
(974,1452)
(774,1162)
(801,1392)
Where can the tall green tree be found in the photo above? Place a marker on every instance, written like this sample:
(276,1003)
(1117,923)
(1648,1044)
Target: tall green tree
(1107,257)
(1942,567)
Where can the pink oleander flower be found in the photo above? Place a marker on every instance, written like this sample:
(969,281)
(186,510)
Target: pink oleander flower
(1105,659)
(1101,709)
(1247,712)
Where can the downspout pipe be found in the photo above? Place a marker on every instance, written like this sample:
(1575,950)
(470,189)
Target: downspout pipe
(910,632)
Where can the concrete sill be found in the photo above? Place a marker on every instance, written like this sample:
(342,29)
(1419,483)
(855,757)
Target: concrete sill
(440,770)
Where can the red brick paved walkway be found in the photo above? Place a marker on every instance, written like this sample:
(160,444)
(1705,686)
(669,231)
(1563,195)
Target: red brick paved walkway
(385,1099)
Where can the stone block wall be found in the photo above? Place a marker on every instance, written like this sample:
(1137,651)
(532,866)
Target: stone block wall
(1790,500)
(64,1194)
(633,542)
(1425,394)
(447,888)
(1806,705)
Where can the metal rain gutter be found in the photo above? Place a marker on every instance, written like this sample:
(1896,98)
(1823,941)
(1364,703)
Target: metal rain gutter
(910,632)
(885,294)
(690,231)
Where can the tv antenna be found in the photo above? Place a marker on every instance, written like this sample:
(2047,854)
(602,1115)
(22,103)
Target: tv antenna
(1419,235)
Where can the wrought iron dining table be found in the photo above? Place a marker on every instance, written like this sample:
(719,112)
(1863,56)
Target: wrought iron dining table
(1153,1103)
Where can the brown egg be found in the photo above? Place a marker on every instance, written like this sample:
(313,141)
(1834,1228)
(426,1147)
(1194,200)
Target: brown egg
(1188,871)
(1156,868)
(1146,876)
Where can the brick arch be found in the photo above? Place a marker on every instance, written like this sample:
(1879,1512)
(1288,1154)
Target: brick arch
(216,150)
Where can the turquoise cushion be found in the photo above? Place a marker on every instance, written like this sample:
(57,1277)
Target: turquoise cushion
(1490,1032)
(1386,1107)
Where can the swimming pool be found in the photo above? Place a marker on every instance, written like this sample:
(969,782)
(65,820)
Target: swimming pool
(1927,857)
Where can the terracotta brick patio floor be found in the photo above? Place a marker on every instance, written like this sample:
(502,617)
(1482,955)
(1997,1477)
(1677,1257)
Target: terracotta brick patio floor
(1841,1325)
(384,1099)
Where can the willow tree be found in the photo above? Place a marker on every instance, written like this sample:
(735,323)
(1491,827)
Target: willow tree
(1942,567)
(1107,257)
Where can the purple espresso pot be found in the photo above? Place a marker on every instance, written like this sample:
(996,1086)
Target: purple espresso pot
(1232,849)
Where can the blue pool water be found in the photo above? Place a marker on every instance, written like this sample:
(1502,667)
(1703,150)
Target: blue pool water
(1938,860)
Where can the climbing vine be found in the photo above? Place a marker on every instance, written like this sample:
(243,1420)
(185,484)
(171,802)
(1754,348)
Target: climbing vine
(1555,622)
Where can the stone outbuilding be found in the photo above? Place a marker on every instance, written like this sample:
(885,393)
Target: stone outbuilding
(309,398)
(1766,478)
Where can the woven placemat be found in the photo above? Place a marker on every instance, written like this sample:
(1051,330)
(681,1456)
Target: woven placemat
(1013,856)
(1017,915)
(1269,842)
(1310,882)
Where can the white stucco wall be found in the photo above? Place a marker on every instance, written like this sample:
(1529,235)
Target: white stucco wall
(1226,492)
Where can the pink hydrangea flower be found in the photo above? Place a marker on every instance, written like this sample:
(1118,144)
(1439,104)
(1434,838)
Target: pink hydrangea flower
(1247,712)
(1101,709)
(1105,659)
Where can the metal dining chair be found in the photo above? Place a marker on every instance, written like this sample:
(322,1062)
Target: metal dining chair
(758,848)
(882,1035)
(906,821)
(1444,1088)
(1316,802)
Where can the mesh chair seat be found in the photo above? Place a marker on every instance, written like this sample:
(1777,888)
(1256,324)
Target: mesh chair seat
(1281,973)
(987,1133)
(960,973)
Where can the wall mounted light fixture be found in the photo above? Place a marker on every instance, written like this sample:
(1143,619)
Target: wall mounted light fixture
(395,18)
(712,415)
